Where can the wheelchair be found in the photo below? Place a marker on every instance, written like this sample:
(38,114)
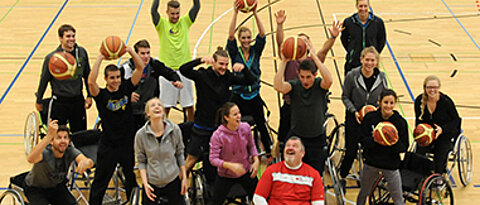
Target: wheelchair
(14,194)
(420,185)
(462,156)
(36,125)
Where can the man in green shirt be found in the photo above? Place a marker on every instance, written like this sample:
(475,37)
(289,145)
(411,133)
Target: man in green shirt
(174,51)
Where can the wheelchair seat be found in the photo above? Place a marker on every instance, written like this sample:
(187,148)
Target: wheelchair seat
(414,168)
(18,180)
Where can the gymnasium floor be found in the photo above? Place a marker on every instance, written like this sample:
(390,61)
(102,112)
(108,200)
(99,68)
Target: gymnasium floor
(424,37)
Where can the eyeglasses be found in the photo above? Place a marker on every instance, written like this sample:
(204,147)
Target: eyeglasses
(432,87)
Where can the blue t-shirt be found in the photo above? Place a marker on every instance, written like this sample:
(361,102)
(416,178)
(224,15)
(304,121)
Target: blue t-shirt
(247,92)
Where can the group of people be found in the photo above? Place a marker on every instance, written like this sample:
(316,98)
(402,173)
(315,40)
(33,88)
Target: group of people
(135,121)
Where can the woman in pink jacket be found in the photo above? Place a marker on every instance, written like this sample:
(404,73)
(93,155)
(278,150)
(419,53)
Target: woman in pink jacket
(233,152)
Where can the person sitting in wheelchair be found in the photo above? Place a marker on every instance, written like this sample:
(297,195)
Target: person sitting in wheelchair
(159,152)
(438,110)
(233,152)
(51,158)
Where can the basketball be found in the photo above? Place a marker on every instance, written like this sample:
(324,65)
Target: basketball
(112,48)
(366,109)
(246,5)
(294,48)
(424,134)
(62,65)
(385,134)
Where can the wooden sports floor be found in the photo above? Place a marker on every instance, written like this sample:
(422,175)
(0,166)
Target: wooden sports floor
(424,37)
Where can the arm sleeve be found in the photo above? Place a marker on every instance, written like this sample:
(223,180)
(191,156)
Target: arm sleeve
(140,152)
(162,70)
(252,148)
(382,36)
(264,185)
(347,92)
(418,110)
(86,72)
(154,12)
(259,200)
(179,153)
(232,48)
(187,68)
(317,194)
(345,35)
(259,44)
(215,149)
(366,138)
(453,125)
(194,10)
(245,77)
(45,77)
(402,144)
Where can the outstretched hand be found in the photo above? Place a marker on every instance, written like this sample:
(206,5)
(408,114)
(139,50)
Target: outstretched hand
(337,28)
(280,16)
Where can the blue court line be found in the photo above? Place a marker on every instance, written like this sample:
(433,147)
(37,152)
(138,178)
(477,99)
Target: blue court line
(458,21)
(398,66)
(33,51)
(126,41)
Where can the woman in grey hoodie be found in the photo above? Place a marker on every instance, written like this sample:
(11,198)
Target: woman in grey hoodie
(159,152)
(362,86)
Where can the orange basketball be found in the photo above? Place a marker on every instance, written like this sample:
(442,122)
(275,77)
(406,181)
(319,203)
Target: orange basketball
(424,134)
(247,5)
(112,47)
(62,65)
(366,109)
(385,134)
(294,48)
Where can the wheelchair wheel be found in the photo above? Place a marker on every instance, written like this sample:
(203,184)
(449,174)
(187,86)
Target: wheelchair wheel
(436,190)
(464,157)
(330,124)
(336,143)
(332,182)
(379,193)
(198,194)
(11,197)
(31,131)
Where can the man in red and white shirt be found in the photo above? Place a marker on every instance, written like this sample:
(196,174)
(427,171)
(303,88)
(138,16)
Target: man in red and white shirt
(291,181)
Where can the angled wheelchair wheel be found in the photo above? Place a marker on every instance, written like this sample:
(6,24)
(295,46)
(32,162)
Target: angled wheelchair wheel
(11,197)
(336,145)
(379,194)
(329,125)
(31,131)
(436,190)
(135,196)
(197,192)
(332,183)
(464,157)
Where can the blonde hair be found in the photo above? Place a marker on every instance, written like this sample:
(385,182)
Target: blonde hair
(243,29)
(373,50)
(147,105)
(424,99)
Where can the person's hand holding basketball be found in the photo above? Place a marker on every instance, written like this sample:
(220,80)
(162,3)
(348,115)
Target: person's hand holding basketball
(309,46)
(208,60)
(357,117)
(280,16)
(438,131)
(236,6)
(238,67)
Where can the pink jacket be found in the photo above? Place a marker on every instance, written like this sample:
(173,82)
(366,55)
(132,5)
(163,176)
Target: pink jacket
(232,146)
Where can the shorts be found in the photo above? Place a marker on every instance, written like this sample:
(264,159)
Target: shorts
(199,142)
(170,95)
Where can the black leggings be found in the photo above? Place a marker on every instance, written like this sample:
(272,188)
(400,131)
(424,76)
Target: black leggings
(440,149)
(223,185)
(352,130)
(254,108)
(58,195)
(171,192)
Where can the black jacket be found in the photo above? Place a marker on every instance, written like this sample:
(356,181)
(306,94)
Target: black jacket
(212,90)
(355,38)
(379,156)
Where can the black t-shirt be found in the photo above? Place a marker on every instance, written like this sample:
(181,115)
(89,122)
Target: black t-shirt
(115,111)
(371,80)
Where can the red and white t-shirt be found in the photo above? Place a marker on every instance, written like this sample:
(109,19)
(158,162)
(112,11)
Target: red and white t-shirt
(282,185)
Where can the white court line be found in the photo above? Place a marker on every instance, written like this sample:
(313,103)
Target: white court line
(463,118)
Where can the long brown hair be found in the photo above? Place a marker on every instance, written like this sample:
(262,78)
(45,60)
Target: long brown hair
(423,102)
(224,111)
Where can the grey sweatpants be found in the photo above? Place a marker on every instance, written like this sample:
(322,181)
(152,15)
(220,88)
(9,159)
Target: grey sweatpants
(368,178)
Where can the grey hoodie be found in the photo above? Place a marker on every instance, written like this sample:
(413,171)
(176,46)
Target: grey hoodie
(161,160)
(355,94)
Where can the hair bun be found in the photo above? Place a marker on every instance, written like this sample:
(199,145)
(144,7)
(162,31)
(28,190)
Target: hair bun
(219,48)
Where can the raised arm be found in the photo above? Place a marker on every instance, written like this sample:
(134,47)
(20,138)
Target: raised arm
(139,66)
(233,23)
(280,17)
(194,10)
(279,83)
(327,79)
(334,33)
(154,12)
(261,29)
(35,154)
(92,77)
